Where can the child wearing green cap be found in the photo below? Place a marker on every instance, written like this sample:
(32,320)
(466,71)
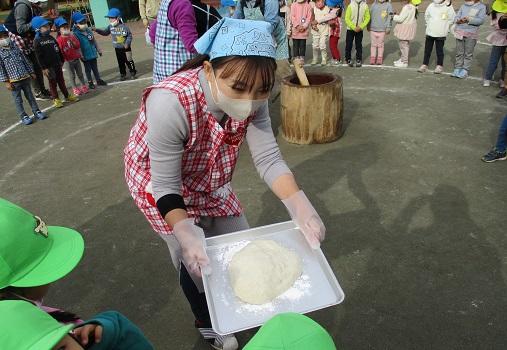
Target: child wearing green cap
(32,256)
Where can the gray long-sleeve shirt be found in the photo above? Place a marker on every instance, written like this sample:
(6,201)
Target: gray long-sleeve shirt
(168,131)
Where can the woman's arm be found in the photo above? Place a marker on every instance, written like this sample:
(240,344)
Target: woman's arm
(271,8)
(181,15)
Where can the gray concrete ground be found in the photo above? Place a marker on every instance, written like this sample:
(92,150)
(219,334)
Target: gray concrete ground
(414,218)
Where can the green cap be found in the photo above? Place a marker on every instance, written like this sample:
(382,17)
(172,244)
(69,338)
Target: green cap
(31,253)
(26,327)
(500,6)
(291,331)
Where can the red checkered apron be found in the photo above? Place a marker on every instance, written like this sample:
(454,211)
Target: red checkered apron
(208,162)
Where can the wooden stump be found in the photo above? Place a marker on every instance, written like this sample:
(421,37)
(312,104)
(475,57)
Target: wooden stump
(312,114)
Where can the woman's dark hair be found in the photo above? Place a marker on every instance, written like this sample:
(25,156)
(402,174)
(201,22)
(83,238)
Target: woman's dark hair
(9,293)
(246,68)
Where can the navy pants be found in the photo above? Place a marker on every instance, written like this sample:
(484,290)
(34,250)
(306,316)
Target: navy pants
(501,141)
(23,87)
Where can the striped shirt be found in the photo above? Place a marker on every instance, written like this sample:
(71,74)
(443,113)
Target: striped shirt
(14,66)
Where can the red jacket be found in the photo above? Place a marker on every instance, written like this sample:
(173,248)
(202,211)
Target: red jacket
(69,46)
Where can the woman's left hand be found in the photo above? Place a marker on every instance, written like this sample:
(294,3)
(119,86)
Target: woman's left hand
(306,217)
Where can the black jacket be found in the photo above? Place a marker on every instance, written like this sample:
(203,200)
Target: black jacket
(47,51)
(20,18)
(201,16)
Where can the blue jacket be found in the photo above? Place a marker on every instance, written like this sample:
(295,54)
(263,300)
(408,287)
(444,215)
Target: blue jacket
(476,14)
(88,43)
(119,333)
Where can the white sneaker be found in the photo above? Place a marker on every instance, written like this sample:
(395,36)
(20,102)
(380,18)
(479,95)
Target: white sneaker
(397,62)
(486,83)
(225,342)
(423,69)
(400,64)
(438,70)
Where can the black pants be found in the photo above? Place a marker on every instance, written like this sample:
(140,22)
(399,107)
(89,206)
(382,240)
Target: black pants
(56,79)
(428,48)
(121,57)
(349,42)
(299,47)
(197,300)
(38,83)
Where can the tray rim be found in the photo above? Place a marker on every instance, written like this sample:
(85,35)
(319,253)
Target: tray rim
(286,225)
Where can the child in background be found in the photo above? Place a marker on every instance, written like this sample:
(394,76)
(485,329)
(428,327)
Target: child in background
(357,17)
(405,30)
(381,13)
(499,152)
(89,49)
(301,17)
(122,40)
(335,28)
(439,17)
(71,51)
(32,257)
(468,20)
(498,38)
(320,30)
(16,72)
(51,60)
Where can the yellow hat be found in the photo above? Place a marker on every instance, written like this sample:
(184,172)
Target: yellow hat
(500,6)
(415,2)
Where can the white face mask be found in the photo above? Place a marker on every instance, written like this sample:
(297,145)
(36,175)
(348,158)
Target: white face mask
(237,109)
(5,42)
(114,23)
(65,32)
(82,26)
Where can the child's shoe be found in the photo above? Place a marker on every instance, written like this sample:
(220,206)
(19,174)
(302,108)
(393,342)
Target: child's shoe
(71,98)
(101,82)
(91,85)
(315,58)
(57,103)
(423,69)
(502,93)
(462,74)
(350,63)
(501,83)
(323,62)
(400,64)
(40,116)
(438,70)
(379,61)
(493,156)
(455,73)
(359,64)
(133,75)
(123,77)
(373,60)
(486,83)
(76,91)
(26,120)
(84,89)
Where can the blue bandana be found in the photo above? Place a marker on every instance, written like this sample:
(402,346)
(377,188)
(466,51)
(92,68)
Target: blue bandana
(237,37)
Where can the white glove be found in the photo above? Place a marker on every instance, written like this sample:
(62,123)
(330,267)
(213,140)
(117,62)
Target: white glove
(306,217)
(192,242)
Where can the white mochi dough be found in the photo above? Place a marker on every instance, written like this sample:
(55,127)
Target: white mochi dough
(263,270)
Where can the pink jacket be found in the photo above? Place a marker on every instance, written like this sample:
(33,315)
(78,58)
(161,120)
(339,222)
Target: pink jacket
(301,17)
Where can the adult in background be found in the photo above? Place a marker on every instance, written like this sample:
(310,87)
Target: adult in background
(175,36)
(206,16)
(148,10)
(18,23)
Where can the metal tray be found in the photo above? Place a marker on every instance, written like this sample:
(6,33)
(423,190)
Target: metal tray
(315,289)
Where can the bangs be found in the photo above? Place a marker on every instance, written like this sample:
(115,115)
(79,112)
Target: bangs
(247,69)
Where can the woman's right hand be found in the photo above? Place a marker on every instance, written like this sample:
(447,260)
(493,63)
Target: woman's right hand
(192,242)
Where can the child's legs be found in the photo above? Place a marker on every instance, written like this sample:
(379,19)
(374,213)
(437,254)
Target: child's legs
(121,59)
(27,90)
(469,46)
(428,47)
(88,70)
(404,50)
(494,57)
(295,47)
(316,40)
(380,47)
(439,43)
(302,48)
(374,39)
(359,45)
(501,141)
(95,69)
(18,100)
(52,84)
(130,62)
(349,41)
(71,72)
(503,60)
(323,43)
(460,53)
(60,80)
(333,45)
(79,71)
